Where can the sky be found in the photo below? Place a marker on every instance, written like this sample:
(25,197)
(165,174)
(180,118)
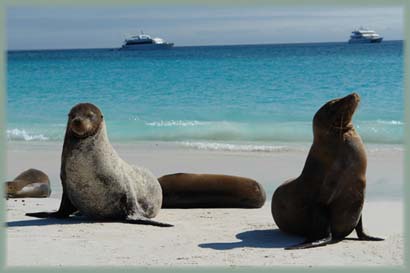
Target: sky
(63,27)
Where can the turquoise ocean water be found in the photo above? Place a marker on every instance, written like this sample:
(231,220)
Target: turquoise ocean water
(211,97)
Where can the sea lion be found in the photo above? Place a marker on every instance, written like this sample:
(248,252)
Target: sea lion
(187,190)
(96,181)
(325,202)
(30,183)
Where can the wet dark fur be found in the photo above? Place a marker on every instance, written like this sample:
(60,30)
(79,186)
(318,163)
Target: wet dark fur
(186,190)
(325,202)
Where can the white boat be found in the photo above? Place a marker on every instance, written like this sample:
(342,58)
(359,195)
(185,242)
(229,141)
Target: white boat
(363,35)
(144,41)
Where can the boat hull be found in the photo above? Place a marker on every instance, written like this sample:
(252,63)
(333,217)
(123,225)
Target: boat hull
(365,41)
(147,46)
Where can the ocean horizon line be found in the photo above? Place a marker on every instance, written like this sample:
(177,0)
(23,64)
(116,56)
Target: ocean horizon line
(191,46)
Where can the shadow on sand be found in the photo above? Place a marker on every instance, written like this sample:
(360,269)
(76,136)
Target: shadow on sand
(269,238)
(48,222)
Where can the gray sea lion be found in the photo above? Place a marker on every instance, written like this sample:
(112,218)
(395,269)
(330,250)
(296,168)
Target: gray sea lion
(30,183)
(325,202)
(187,190)
(96,181)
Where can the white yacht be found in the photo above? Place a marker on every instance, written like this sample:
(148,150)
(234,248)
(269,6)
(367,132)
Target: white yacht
(363,35)
(144,41)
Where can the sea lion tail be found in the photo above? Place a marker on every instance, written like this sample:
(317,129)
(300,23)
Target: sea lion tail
(145,221)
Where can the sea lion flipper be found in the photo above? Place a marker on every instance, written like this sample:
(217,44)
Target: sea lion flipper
(320,233)
(138,219)
(309,243)
(66,207)
(65,210)
(362,235)
(45,214)
(55,214)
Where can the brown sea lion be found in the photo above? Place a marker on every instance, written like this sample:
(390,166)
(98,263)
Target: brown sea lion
(325,202)
(96,181)
(187,190)
(30,183)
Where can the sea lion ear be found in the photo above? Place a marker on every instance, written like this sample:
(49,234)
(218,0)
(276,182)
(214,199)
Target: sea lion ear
(102,116)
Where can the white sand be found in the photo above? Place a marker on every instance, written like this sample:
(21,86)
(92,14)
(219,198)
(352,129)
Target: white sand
(205,237)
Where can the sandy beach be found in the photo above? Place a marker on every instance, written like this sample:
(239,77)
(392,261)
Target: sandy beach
(241,90)
(200,237)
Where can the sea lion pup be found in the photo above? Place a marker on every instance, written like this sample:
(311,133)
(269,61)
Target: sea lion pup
(325,202)
(30,183)
(187,190)
(96,181)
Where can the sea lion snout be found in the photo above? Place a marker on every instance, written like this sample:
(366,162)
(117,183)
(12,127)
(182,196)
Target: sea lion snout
(84,120)
(354,96)
(348,103)
(351,100)
(10,188)
(346,108)
(80,126)
(336,114)
(76,122)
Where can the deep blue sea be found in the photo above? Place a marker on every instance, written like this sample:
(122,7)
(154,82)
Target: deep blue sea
(210,95)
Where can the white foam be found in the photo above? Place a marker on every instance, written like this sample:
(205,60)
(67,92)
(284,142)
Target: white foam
(392,122)
(181,123)
(212,146)
(17,134)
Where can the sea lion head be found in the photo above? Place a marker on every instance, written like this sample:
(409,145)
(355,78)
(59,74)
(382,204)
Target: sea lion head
(84,120)
(11,188)
(336,115)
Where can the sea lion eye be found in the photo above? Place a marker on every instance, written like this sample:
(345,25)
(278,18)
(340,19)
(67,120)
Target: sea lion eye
(90,115)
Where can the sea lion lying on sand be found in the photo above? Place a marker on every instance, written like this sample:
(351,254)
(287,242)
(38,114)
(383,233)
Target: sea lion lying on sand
(96,181)
(325,202)
(30,183)
(187,190)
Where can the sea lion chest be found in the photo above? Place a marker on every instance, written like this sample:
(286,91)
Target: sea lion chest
(95,181)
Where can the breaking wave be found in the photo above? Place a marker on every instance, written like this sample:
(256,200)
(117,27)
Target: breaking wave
(211,146)
(215,133)
(21,134)
(170,123)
